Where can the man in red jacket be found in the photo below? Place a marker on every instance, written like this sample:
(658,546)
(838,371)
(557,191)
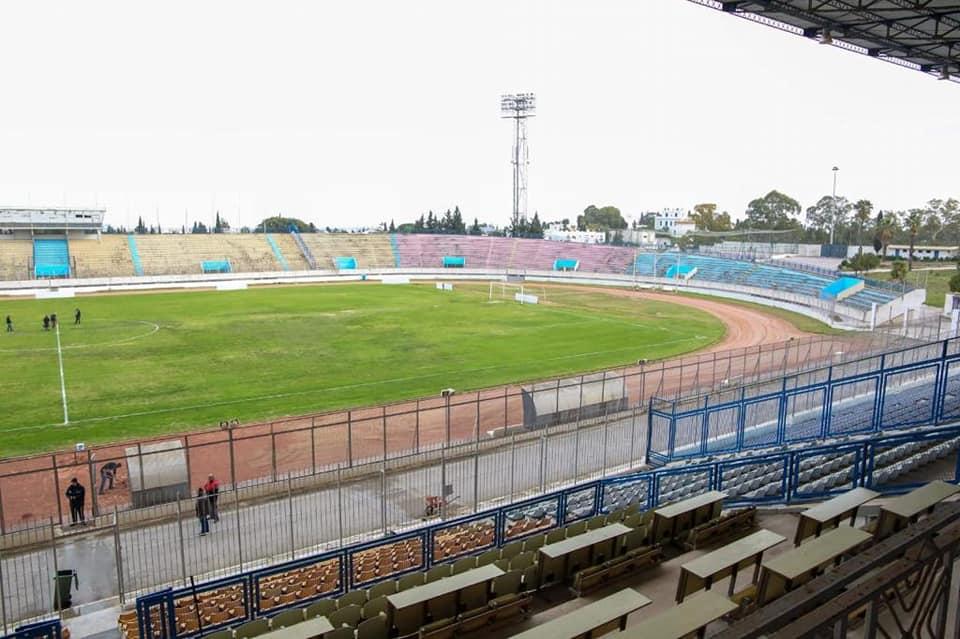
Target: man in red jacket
(212,489)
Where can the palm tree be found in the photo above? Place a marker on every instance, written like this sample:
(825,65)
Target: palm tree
(886,228)
(864,210)
(898,272)
(913,222)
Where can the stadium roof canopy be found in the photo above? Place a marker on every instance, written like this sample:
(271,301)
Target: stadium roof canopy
(918,34)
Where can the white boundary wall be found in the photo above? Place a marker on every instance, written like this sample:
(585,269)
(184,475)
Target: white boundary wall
(831,312)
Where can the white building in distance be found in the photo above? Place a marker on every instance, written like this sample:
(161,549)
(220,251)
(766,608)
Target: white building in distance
(573,235)
(641,237)
(676,222)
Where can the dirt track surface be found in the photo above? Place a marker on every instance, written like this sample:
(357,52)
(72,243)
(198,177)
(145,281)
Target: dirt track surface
(745,326)
(32,489)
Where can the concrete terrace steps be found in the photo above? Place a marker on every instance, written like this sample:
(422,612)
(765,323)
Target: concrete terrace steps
(103,256)
(16,258)
(372,251)
(179,254)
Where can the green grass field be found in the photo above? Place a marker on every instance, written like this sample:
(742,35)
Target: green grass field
(937,282)
(143,364)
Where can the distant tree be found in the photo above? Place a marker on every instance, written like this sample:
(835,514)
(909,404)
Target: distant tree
(280,224)
(862,262)
(199,227)
(457,219)
(886,228)
(829,214)
(141,227)
(898,271)
(863,211)
(607,218)
(912,224)
(705,218)
(475,228)
(955,283)
(617,239)
(245,229)
(392,228)
(774,211)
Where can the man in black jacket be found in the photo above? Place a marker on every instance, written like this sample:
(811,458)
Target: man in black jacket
(76,493)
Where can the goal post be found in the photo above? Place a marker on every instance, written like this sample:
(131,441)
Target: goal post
(505,291)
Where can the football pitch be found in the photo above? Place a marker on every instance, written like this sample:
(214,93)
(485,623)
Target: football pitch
(145,364)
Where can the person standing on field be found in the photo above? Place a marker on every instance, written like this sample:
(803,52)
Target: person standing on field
(9,324)
(76,317)
(203,512)
(75,495)
(212,489)
(46,322)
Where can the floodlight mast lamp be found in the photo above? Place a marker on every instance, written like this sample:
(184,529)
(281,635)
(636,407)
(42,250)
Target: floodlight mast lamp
(519,107)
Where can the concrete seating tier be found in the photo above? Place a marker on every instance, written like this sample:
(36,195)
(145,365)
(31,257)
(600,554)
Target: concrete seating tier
(182,254)
(104,256)
(291,252)
(16,257)
(718,269)
(371,251)
(428,251)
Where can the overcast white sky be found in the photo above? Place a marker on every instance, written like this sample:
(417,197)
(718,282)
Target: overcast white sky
(350,113)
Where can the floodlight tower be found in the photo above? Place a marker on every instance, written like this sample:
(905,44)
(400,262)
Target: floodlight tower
(518,107)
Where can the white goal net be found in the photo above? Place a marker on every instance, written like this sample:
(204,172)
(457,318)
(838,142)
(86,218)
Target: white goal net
(522,293)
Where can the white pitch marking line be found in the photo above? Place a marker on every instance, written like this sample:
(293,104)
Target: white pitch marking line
(63,383)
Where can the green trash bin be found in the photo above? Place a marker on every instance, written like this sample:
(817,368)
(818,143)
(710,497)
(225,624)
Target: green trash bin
(64,582)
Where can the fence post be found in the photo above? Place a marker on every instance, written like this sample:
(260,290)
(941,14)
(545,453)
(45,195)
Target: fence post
(95,497)
(513,455)
(543,459)
(340,504)
(447,418)
(273,454)
(349,439)
(186,453)
(383,419)
(313,444)
(416,428)
(383,498)
(3,526)
(236,504)
(606,428)
(233,470)
(633,437)
(56,488)
(290,511)
(476,462)
(56,569)
(118,555)
(183,551)
(443,483)
(506,409)
(3,597)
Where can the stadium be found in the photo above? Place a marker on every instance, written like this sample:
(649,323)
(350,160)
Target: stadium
(401,434)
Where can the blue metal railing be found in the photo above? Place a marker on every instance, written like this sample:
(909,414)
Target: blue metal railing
(307,253)
(918,385)
(50,629)
(782,473)
(135,254)
(277,253)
